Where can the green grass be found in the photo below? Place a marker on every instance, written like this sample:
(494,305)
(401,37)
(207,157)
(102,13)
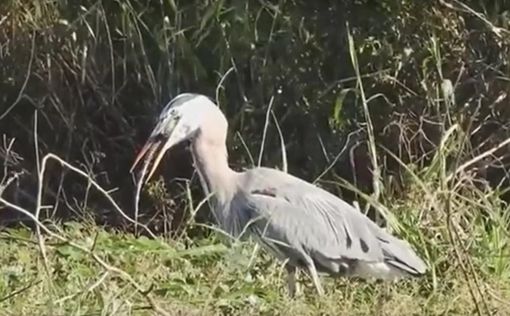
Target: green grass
(460,230)
(207,277)
(80,268)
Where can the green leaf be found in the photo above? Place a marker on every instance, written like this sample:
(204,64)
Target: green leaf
(146,244)
(70,252)
(204,250)
(337,109)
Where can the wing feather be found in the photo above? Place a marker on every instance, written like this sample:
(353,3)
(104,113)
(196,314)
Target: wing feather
(314,222)
(304,217)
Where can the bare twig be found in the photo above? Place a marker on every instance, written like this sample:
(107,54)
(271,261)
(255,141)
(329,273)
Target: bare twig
(6,179)
(139,185)
(234,65)
(194,210)
(90,288)
(5,183)
(111,51)
(25,82)
(245,146)
(498,31)
(97,187)
(282,144)
(40,177)
(478,158)
(11,295)
(220,84)
(337,157)
(264,132)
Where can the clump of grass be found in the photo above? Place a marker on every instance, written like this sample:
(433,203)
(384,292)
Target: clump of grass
(208,277)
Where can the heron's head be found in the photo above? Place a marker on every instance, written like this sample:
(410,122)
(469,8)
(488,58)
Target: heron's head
(182,119)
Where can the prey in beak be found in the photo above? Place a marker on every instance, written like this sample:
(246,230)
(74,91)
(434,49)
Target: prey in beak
(153,146)
(163,136)
(179,121)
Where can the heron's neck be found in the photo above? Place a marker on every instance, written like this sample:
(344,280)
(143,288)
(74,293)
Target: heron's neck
(211,161)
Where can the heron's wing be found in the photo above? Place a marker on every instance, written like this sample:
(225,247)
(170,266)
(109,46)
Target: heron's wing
(288,227)
(303,215)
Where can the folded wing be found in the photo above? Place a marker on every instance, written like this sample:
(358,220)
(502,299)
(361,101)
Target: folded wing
(298,221)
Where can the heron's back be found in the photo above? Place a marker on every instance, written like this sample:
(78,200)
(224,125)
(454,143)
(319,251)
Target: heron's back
(302,219)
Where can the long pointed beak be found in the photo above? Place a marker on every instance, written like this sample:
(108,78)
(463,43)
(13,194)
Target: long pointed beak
(164,136)
(151,147)
(141,154)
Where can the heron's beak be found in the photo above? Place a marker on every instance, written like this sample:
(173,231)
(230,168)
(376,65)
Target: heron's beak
(157,144)
(151,147)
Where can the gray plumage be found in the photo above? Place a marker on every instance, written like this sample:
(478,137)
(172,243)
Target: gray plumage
(298,222)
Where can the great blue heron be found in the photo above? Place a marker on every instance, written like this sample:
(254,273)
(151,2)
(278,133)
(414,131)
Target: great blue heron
(300,223)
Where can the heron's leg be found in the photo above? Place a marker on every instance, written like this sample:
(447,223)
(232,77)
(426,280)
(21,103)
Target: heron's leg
(315,277)
(291,279)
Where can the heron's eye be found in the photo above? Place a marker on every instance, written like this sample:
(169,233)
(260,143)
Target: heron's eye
(173,114)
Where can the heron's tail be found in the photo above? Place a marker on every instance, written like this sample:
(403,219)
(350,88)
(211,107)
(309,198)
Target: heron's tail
(399,261)
(399,255)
